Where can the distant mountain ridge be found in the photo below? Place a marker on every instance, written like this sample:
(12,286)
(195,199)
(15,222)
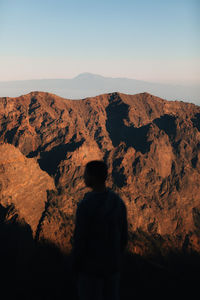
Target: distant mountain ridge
(90,85)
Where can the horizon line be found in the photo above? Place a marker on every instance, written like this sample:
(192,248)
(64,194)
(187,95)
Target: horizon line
(106,77)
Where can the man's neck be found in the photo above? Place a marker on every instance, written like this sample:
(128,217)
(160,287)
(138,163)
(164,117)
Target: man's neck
(99,188)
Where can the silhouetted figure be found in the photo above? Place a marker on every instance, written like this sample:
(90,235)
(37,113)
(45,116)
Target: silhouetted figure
(100,237)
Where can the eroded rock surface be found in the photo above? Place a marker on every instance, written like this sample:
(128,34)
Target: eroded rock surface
(23,185)
(151,146)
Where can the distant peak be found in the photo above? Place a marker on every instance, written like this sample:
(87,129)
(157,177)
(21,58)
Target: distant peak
(88,76)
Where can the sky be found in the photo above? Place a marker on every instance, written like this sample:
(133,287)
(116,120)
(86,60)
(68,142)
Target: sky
(152,40)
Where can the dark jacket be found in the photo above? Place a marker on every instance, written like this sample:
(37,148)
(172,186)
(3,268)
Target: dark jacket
(101,233)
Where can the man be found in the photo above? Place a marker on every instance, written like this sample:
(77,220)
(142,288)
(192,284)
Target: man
(100,237)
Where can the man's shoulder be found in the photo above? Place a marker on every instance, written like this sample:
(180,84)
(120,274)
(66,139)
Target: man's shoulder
(90,197)
(85,200)
(87,197)
(116,196)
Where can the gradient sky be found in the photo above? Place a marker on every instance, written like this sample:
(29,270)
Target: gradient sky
(152,40)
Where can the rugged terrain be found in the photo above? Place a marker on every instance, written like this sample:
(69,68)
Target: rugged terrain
(151,146)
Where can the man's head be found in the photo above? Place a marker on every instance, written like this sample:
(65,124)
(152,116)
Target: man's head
(96,173)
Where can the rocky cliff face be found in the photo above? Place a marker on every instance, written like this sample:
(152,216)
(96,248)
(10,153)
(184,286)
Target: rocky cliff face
(151,146)
(23,185)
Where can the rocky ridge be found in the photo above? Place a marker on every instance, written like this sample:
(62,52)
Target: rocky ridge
(151,147)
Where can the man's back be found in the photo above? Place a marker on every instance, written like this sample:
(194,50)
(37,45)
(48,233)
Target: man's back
(101,233)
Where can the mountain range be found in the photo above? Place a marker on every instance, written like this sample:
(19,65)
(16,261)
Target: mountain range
(90,85)
(151,147)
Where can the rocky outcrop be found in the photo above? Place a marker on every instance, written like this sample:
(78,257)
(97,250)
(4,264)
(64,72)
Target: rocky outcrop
(151,146)
(23,185)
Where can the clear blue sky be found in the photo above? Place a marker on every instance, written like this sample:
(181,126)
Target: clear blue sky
(153,40)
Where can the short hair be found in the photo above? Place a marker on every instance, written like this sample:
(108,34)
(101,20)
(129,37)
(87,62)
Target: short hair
(97,169)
